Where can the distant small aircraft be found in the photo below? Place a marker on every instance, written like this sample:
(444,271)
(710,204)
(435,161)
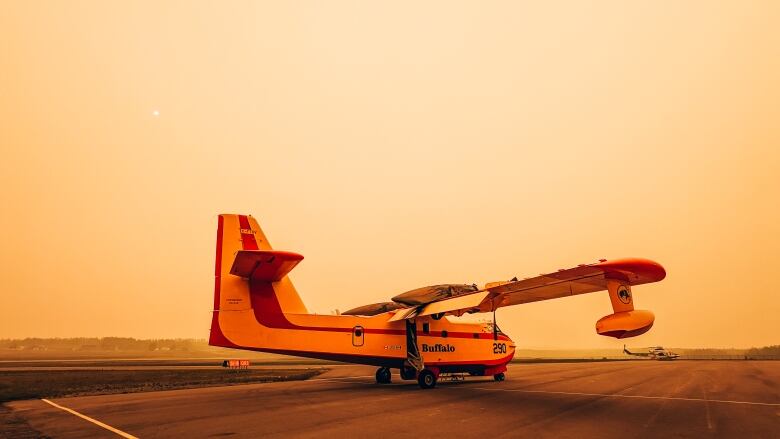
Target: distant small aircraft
(654,353)
(256,307)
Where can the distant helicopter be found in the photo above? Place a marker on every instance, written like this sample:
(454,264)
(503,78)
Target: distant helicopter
(654,353)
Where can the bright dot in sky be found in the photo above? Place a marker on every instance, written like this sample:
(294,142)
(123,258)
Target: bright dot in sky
(155,113)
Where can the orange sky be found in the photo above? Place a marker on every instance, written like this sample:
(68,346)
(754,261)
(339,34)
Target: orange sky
(395,146)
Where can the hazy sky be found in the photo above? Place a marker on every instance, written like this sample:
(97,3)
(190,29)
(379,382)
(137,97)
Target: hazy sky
(394,145)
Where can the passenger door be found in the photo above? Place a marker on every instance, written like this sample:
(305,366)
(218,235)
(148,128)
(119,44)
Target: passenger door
(358,336)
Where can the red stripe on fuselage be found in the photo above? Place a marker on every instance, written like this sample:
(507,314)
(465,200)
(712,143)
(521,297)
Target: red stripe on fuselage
(496,362)
(377,360)
(268,311)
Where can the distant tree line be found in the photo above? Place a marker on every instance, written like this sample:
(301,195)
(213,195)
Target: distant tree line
(773,350)
(105,344)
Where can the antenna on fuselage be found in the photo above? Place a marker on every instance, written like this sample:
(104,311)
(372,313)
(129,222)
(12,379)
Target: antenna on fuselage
(495,326)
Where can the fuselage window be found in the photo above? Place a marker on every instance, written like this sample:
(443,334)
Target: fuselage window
(426,328)
(444,333)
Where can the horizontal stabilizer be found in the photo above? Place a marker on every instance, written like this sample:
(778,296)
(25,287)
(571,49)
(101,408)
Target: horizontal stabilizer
(266,265)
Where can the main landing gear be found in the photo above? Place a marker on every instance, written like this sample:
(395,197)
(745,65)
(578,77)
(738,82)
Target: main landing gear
(383,375)
(427,379)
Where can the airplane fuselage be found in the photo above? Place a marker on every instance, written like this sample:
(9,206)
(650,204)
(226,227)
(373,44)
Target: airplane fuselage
(269,316)
(449,346)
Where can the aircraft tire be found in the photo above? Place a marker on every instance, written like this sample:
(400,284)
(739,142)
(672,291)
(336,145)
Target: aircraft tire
(499,376)
(426,379)
(383,375)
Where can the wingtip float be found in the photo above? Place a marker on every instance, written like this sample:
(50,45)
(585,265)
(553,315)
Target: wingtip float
(256,307)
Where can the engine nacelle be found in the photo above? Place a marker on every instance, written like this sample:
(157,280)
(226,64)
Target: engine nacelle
(625,324)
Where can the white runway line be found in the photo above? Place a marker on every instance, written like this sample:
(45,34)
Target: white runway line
(613,395)
(94,421)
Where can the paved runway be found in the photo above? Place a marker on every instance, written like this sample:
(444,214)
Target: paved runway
(643,399)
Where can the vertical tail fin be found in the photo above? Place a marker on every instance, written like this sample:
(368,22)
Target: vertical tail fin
(232,293)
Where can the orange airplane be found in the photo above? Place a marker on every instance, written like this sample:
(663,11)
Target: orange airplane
(256,307)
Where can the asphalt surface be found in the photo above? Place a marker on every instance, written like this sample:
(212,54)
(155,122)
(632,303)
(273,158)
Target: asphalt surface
(575,400)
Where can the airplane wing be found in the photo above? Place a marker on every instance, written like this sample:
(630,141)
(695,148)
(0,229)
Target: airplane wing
(578,280)
(616,276)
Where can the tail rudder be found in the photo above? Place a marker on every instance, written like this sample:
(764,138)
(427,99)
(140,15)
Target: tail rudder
(228,242)
(234,233)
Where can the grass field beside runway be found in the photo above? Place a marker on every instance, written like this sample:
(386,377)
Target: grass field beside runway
(31,383)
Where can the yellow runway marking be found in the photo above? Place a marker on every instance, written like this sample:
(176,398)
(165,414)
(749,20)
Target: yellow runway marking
(613,395)
(94,421)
